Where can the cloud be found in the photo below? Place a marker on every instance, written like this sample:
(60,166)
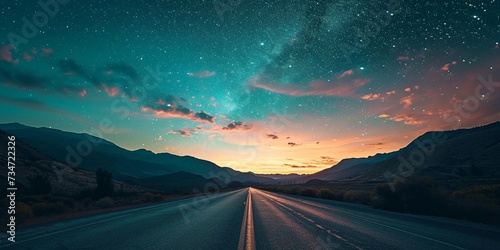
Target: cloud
(403,58)
(346,73)
(408,89)
(33,104)
(202,74)
(237,126)
(299,166)
(202,116)
(375,144)
(407,119)
(293,144)
(341,86)
(27,57)
(446,67)
(272,136)
(407,101)
(124,69)
(6,53)
(171,110)
(371,97)
(182,132)
(24,80)
(392,92)
(384,116)
(70,67)
(327,160)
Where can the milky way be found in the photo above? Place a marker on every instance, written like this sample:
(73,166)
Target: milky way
(259,86)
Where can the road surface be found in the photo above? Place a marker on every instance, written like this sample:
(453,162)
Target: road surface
(256,219)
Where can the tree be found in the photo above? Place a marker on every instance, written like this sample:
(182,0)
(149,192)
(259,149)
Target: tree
(39,184)
(105,185)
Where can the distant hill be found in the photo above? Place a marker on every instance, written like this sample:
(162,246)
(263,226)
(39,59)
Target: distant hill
(64,179)
(123,163)
(463,153)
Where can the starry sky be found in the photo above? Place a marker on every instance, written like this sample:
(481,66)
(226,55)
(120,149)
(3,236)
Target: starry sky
(269,86)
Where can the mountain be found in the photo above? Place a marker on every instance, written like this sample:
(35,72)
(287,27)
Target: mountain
(461,153)
(347,168)
(90,152)
(64,179)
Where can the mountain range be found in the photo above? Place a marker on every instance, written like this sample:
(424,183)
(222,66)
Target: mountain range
(452,154)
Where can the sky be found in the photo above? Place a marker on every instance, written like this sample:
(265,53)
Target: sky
(262,86)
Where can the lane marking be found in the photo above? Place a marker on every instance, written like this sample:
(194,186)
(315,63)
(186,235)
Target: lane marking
(386,226)
(124,213)
(247,236)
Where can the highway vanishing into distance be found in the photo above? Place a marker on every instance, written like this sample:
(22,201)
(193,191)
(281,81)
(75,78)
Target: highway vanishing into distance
(254,219)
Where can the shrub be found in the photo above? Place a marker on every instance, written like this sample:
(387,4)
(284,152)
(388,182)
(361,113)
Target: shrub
(46,208)
(419,196)
(356,196)
(310,192)
(149,197)
(105,202)
(23,212)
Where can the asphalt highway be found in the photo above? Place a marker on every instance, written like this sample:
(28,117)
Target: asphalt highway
(256,219)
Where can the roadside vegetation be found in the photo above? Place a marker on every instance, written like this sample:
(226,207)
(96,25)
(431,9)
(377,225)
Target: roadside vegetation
(424,196)
(38,203)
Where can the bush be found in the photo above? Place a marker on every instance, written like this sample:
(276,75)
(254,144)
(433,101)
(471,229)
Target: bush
(418,196)
(105,202)
(23,212)
(356,196)
(149,197)
(310,192)
(46,208)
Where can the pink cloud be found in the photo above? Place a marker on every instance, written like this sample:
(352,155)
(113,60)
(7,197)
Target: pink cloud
(346,73)
(111,91)
(202,74)
(6,53)
(173,111)
(403,58)
(82,93)
(47,51)
(384,116)
(337,87)
(392,92)
(408,89)
(27,57)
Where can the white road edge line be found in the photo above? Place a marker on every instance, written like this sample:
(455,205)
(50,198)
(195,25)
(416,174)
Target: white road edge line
(247,237)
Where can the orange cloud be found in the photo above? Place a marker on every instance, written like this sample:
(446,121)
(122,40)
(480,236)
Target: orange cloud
(371,97)
(407,101)
(446,67)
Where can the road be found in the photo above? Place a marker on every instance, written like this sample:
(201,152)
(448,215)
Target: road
(256,219)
